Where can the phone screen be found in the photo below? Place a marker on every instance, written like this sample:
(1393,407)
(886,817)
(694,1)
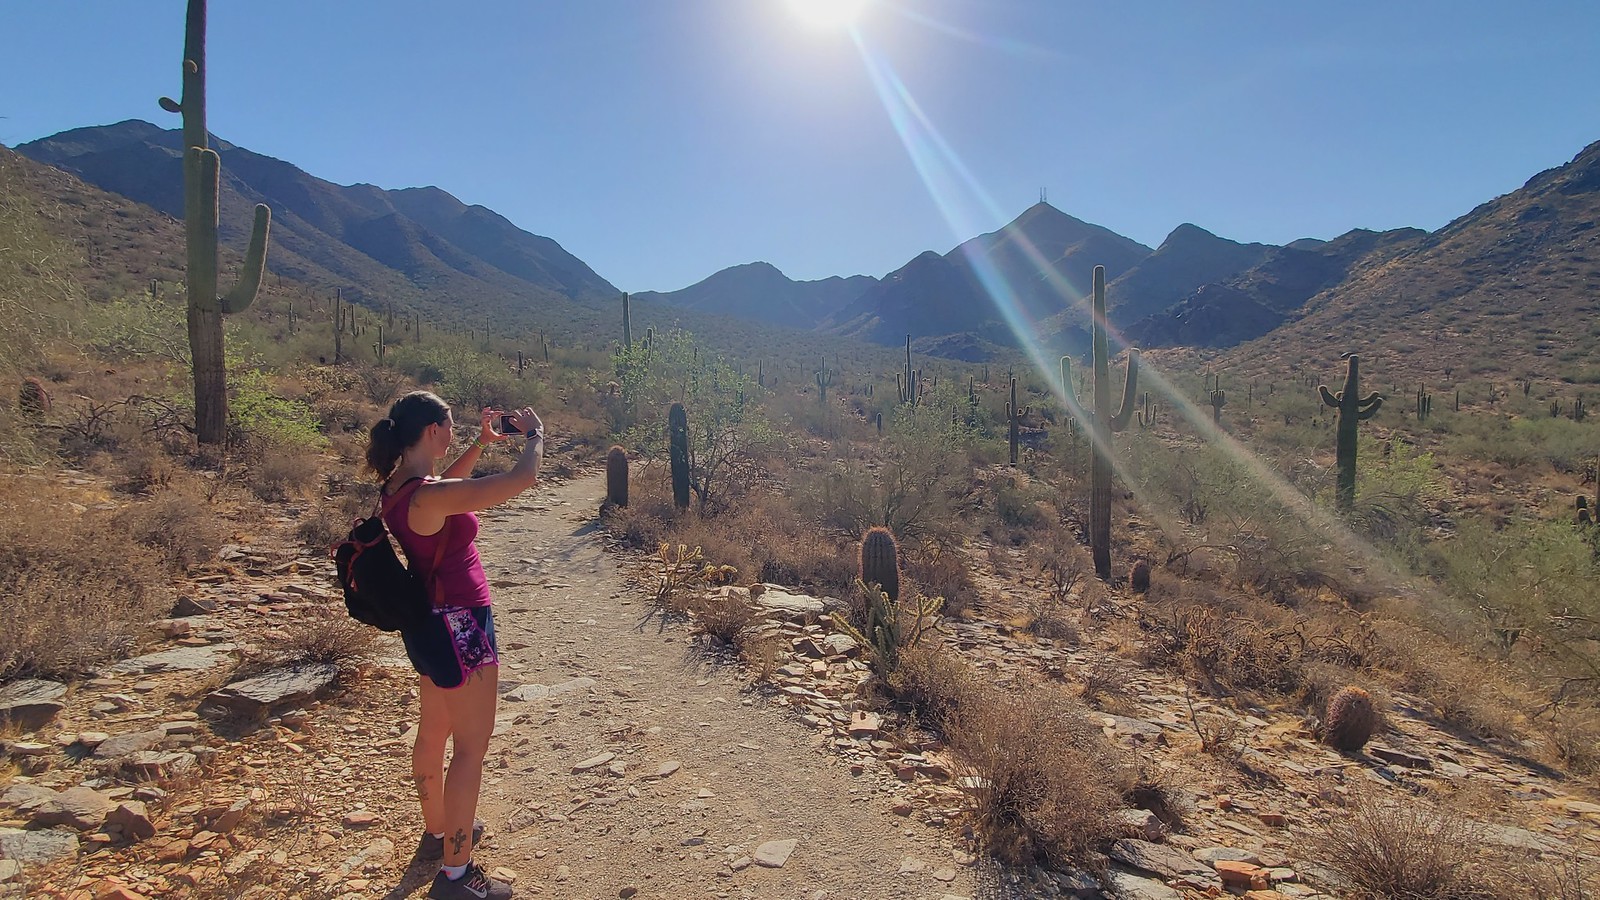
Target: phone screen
(507,426)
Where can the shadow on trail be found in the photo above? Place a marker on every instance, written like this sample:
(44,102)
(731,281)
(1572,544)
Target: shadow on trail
(418,875)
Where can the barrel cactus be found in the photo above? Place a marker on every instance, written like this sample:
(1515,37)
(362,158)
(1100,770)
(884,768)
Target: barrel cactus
(33,401)
(617,476)
(880,562)
(1352,719)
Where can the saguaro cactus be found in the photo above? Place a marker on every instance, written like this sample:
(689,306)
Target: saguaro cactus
(627,323)
(1102,424)
(202,169)
(824,378)
(1353,408)
(678,454)
(1014,415)
(1219,399)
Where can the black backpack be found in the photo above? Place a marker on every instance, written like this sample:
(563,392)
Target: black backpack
(378,588)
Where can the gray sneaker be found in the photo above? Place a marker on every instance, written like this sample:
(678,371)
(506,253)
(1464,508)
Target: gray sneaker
(472,885)
(431,849)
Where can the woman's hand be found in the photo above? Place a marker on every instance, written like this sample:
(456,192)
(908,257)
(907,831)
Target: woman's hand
(527,420)
(490,433)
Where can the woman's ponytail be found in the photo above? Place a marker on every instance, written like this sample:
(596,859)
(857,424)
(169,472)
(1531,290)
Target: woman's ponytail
(393,434)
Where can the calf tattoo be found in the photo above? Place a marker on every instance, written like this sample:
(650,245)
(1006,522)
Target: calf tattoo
(422,788)
(458,840)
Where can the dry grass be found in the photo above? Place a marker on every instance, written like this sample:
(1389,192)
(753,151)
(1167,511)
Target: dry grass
(1048,781)
(177,523)
(282,474)
(327,636)
(1411,850)
(80,592)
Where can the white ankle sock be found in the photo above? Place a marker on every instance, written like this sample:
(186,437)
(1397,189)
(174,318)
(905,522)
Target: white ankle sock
(454,873)
(436,834)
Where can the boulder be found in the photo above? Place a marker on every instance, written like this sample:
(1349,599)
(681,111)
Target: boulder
(76,807)
(31,704)
(257,698)
(131,819)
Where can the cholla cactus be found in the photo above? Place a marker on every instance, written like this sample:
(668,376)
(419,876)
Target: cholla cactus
(890,625)
(1351,719)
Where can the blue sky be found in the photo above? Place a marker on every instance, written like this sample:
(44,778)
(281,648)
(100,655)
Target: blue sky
(662,140)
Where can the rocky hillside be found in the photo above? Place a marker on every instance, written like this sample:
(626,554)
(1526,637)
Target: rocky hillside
(1188,259)
(419,243)
(1256,300)
(1508,290)
(761,292)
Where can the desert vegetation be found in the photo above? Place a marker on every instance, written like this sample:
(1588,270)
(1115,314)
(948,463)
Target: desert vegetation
(1272,557)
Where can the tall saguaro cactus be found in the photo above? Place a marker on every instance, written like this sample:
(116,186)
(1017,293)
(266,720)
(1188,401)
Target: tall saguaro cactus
(678,453)
(1014,417)
(627,323)
(1353,409)
(202,172)
(1102,425)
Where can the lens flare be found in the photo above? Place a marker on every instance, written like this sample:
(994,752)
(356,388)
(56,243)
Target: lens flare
(827,13)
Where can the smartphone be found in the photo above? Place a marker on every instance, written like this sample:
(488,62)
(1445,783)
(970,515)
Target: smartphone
(507,426)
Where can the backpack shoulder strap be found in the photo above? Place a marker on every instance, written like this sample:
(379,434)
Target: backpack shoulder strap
(387,502)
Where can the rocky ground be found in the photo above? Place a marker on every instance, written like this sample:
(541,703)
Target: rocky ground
(629,762)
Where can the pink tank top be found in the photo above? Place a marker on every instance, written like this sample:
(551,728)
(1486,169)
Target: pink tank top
(461,580)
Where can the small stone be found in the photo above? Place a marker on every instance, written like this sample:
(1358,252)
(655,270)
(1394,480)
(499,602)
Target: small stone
(902,808)
(912,866)
(361,819)
(668,768)
(773,854)
(1242,875)
(627,892)
(501,873)
(563,873)
(740,864)
(593,762)
(945,875)
(9,870)
(864,724)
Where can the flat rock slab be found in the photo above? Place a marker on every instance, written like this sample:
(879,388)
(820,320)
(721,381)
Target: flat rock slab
(773,854)
(32,703)
(1168,862)
(1128,886)
(531,692)
(1400,757)
(25,796)
(780,604)
(291,686)
(132,742)
(84,809)
(181,659)
(37,848)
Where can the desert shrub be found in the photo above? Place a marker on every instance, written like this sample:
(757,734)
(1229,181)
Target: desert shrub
(1410,849)
(932,682)
(256,412)
(1049,782)
(939,568)
(282,474)
(178,524)
(325,636)
(82,591)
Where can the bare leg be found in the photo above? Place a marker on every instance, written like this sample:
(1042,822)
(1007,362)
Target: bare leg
(427,755)
(472,708)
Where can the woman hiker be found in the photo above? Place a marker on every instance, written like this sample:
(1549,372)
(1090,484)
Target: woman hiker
(454,650)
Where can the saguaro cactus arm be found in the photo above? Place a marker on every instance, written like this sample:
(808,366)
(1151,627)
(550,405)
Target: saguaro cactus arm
(1129,389)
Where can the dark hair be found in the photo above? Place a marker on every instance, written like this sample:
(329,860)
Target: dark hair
(403,427)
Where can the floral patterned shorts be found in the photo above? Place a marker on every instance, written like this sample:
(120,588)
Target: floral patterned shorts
(453,644)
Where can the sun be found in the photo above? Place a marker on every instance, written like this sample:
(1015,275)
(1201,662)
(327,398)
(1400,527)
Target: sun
(827,13)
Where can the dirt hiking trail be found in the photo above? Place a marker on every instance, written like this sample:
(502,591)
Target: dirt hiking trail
(622,760)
